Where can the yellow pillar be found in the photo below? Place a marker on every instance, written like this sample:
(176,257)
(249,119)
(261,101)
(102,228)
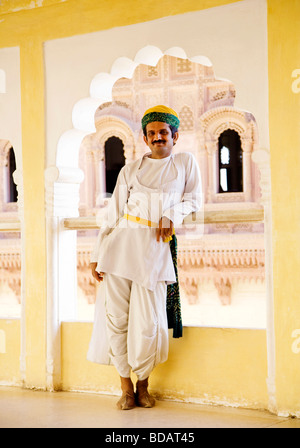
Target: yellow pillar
(284,103)
(33,142)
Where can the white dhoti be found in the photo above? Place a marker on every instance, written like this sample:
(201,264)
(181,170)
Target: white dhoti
(136,326)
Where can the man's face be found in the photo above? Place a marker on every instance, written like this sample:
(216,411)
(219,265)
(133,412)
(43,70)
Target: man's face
(159,139)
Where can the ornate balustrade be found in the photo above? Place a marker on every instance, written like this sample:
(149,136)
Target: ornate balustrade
(209,217)
(10,225)
(220,258)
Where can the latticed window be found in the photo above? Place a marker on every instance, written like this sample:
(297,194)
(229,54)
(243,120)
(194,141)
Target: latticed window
(186,119)
(230,162)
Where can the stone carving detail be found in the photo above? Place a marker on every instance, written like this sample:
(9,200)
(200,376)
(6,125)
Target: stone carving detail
(184,65)
(186,119)
(224,290)
(10,266)
(221,260)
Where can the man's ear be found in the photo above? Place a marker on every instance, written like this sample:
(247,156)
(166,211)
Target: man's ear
(145,140)
(175,138)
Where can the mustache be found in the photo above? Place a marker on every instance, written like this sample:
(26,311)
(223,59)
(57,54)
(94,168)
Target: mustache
(158,141)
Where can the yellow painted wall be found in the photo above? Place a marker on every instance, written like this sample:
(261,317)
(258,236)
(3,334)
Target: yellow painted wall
(10,342)
(61,18)
(284,120)
(228,365)
(208,365)
(34,233)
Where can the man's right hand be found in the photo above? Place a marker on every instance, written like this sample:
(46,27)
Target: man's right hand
(164,229)
(97,275)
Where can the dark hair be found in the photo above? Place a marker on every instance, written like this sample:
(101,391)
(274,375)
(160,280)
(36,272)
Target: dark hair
(173,130)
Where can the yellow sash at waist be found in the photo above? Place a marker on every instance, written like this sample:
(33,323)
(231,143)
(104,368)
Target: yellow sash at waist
(146,222)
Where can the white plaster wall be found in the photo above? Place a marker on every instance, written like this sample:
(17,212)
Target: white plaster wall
(9,305)
(247,308)
(10,100)
(233,37)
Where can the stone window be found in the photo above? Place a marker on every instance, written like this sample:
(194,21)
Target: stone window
(230,162)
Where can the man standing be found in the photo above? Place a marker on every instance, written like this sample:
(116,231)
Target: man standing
(152,196)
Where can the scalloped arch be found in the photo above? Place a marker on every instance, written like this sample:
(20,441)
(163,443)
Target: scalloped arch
(215,121)
(109,126)
(101,91)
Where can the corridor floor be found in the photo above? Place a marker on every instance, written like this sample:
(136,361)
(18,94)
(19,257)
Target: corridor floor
(21,408)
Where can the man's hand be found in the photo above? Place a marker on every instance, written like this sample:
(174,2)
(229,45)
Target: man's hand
(97,275)
(165,228)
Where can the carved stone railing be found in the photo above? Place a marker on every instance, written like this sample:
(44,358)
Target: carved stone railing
(10,266)
(10,225)
(220,258)
(10,256)
(209,217)
(214,257)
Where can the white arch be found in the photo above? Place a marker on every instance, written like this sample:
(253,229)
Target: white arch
(109,126)
(101,91)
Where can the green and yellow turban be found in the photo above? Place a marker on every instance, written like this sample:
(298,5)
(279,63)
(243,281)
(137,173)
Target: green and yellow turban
(161,113)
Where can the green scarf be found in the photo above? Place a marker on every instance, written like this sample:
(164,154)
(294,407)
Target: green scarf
(173,296)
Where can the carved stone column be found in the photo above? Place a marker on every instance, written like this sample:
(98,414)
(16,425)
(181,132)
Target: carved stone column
(101,180)
(129,152)
(99,170)
(201,156)
(247,147)
(90,180)
(211,148)
(262,159)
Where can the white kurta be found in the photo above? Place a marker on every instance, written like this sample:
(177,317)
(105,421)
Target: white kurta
(147,188)
(131,328)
